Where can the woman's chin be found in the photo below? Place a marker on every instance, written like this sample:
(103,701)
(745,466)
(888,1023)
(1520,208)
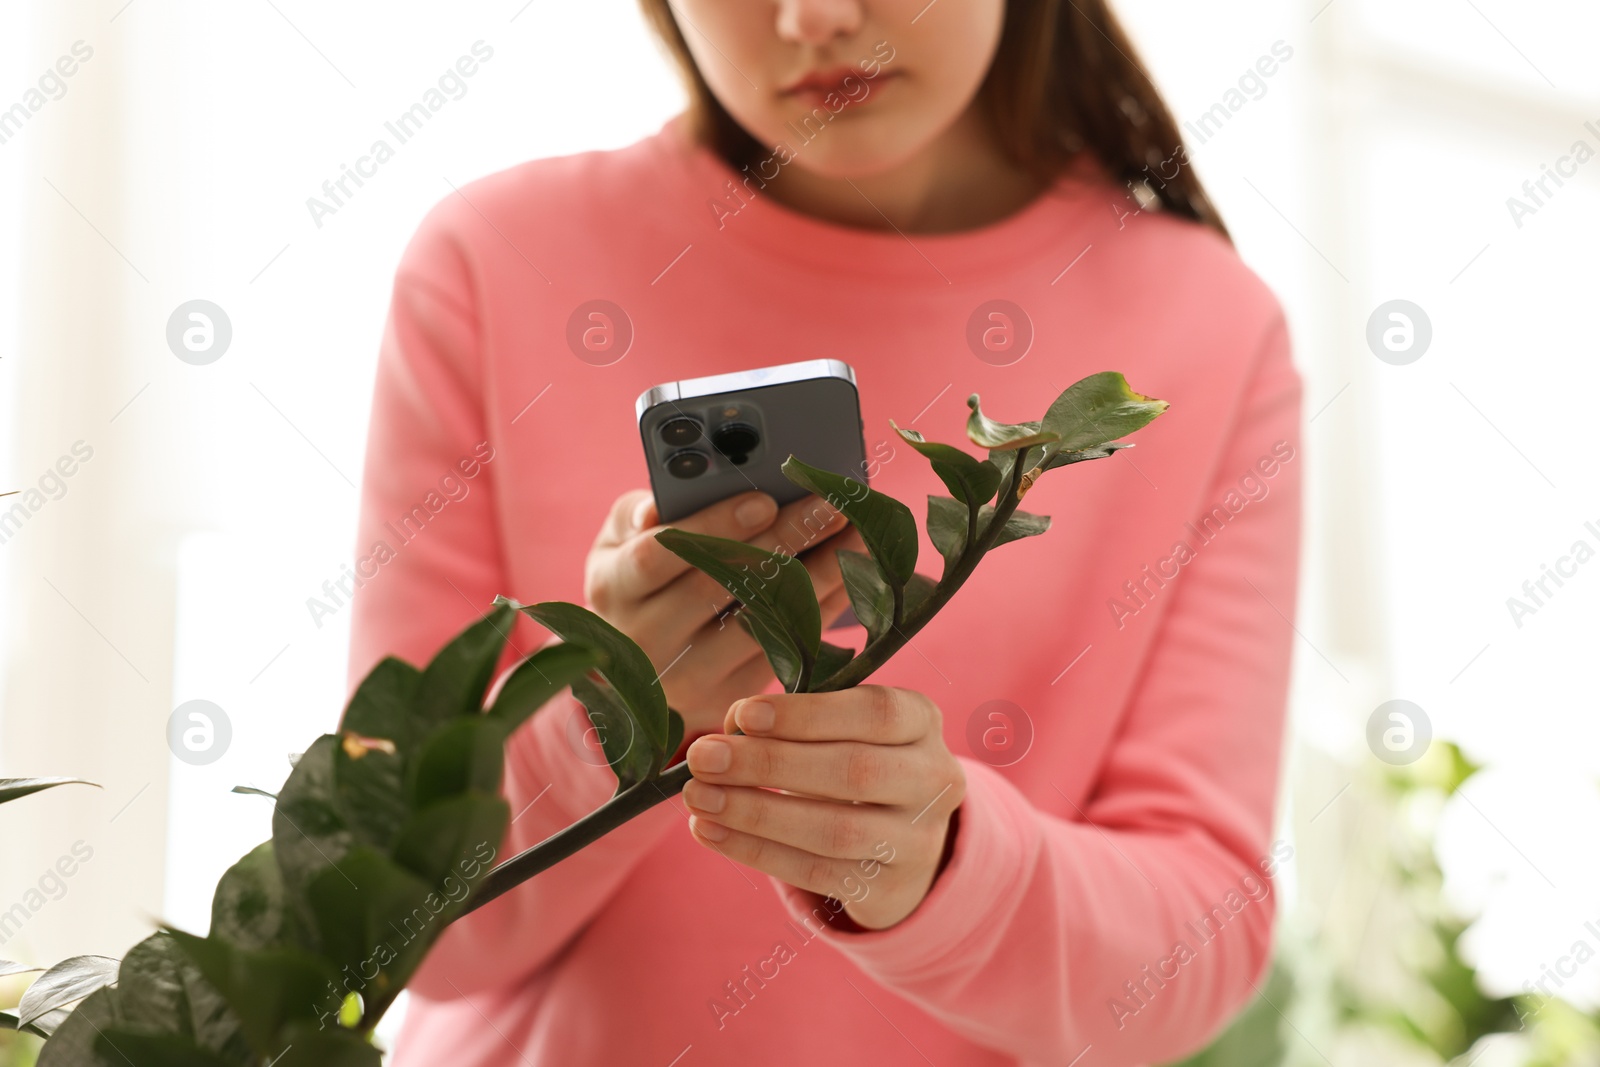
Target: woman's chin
(852,157)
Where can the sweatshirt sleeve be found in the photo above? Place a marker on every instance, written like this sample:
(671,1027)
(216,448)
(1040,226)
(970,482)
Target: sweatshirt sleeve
(431,561)
(1137,924)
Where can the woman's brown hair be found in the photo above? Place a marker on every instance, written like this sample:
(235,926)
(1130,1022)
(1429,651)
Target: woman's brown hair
(1064,79)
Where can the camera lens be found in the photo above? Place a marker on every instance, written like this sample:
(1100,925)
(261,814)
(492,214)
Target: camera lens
(690,463)
(680,431)
(736,440)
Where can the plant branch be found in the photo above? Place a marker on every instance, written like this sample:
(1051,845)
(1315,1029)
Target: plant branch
(642,796)
(633,801)
(878,652)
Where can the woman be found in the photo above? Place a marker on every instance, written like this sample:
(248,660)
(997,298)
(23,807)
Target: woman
(1047,822)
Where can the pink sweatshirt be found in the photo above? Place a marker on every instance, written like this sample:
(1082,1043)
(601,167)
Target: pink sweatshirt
(1115,688)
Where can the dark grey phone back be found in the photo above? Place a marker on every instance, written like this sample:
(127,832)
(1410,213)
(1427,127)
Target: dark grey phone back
(706,439)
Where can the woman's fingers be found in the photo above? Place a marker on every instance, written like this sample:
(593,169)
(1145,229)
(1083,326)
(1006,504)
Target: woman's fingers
(639,565)
(837,770)
(630,512)
(841,879)
(723,644)
(871,714)
(674,611)
(801,529)
(872,776)
(839,831)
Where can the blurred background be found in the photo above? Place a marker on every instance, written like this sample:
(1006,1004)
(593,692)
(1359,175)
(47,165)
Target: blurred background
(1416,180)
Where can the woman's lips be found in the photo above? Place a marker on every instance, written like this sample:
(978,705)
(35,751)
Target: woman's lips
(847,82)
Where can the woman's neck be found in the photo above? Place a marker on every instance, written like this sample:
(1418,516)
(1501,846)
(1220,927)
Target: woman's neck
(961,181)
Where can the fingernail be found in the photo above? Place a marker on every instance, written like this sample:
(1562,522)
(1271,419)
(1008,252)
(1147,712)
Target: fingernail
(755,716)
(757,511)
(640,510)
(706,797)
(710,754)
(709,830)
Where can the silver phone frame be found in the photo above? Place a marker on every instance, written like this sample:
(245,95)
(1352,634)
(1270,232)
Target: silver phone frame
(711,384)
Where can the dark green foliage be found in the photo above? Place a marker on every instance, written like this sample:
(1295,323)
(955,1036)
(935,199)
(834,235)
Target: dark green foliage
(780,606)
(379,837)
(970,480)
(885,524)
(624,664)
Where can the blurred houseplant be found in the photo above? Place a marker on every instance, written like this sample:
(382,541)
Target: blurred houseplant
(385,831)
(1400,993)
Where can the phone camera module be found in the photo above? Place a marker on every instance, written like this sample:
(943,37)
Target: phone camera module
(736,440)
(680,431)
(689,463)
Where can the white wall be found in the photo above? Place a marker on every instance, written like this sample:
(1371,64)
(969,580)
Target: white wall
(222,496)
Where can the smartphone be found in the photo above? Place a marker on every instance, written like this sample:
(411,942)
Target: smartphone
(706,439)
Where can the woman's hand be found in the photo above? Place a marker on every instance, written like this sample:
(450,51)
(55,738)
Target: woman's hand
(868,791)
(670,609)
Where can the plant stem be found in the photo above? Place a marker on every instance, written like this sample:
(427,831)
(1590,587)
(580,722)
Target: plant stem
(642,796)
(635,800)
(878,652)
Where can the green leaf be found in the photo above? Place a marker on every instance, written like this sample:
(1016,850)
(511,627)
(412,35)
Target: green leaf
(536,680)
(918,589)
(308,1046)
(626,751)
(161,991)
(1098,409)
(309,831)
(453,838)
(380,921)
(73,1042)
(1062,459)
(674,734)
(625,666)
(267,988)
(831,659)
(369,786)
(463,755)
(782,654)
(66,983)
(249,908)
(1034,456)
(456,679)
(776,591)
(1021,524)
(382,705)
(947,527)
(14,788)
(252,791)
(870,598)
(885,524)
(971,480)
(135,1048)
(368,781)
(1002,436)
